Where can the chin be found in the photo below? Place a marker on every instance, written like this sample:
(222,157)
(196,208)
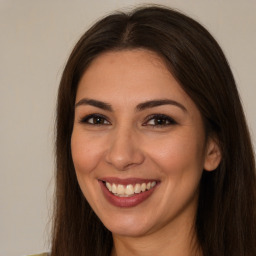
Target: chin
(132,226)
(131,231)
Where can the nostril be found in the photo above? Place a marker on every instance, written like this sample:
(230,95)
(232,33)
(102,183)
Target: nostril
(124,151)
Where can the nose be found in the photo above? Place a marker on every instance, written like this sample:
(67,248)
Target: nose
(124,150)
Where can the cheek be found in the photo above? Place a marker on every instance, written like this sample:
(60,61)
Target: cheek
(86,155)
(86,152)
(178,153)
(180,161)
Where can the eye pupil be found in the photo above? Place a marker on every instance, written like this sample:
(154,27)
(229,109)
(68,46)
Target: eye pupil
(160,121)
(98,120)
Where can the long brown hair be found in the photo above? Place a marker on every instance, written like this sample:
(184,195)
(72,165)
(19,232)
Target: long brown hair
(226,218)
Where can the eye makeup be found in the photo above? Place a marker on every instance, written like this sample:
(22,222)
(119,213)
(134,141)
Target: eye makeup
(94,119)
(154,120)
(159,120)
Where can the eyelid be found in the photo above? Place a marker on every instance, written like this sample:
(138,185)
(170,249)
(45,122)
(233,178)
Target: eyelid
(84,120)
(170,120)
(159,116)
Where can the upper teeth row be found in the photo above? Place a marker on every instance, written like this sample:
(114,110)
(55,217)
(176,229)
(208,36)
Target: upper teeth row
(121,190)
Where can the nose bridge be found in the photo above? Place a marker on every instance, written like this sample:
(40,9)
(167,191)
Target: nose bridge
(124,150)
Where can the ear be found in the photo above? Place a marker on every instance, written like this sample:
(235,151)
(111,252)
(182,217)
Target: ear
(212,154)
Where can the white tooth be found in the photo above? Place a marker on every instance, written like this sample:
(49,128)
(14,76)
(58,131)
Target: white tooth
(137,188)
(114,188)
(129,190)
(108,185)
(153,184)
(120,189)
(143,187)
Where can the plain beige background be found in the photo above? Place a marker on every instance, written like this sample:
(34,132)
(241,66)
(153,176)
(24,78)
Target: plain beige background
(36,38)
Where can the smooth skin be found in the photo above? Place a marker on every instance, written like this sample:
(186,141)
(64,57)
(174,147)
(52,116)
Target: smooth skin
(117,137)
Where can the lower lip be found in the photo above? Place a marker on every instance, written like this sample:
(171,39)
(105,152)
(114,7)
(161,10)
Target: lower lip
(130,201)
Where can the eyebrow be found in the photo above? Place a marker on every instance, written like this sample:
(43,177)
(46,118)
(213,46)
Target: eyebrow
(95,103)
(140,107)
(160,102)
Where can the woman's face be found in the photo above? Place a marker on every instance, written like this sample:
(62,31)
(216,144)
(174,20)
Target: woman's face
(137,133)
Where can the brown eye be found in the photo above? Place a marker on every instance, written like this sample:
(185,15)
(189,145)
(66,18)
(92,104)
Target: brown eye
(159,120)
(95,120)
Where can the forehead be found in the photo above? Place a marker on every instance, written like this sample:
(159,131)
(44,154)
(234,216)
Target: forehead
(129,74)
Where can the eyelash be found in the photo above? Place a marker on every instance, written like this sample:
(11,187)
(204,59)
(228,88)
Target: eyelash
(95,116)
(157,117)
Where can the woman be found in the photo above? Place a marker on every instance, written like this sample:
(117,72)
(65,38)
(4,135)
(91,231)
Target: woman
(153,152)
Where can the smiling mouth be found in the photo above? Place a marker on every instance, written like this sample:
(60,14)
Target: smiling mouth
(129,190)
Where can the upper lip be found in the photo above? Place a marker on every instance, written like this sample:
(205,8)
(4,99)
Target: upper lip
(126,181)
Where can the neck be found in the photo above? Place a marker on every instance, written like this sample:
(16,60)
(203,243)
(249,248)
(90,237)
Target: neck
(179,242)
